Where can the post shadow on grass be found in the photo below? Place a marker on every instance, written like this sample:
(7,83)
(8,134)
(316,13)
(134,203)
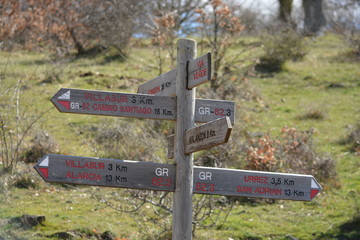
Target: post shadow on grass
(347,231)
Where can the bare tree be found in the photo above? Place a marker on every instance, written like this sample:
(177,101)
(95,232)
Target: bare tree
(285,9)
(314,18)
(183,10)
(67,24)
(342,16)
(115,21)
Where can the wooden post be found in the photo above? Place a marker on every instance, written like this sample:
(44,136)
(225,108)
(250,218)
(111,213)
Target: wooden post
(182,206)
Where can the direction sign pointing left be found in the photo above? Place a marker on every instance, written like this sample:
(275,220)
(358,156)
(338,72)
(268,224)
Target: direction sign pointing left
(106,172)
(136,105)
(199,72)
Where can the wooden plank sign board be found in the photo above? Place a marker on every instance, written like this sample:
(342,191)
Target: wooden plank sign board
(163,85)
(204,136)
(114,104)
(136,105)
(161,177)
(106,172)
(244,183)
(199,72)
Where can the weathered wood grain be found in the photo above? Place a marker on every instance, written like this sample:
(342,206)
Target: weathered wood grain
(163,85)
(204,136)
(185,118)
(199,72)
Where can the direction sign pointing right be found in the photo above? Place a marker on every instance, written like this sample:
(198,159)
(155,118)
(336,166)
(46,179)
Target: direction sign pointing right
(230,182)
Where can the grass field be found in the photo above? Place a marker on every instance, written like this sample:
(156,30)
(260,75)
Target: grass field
(326,83)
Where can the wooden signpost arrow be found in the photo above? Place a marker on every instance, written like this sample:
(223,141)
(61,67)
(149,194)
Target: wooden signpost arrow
(199,72)
(161,177)
(204,136)
(230,182)
(129,105)
(114,104)
(163,85)
(106,172)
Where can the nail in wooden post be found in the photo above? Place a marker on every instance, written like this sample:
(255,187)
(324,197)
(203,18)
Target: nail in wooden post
(182,207)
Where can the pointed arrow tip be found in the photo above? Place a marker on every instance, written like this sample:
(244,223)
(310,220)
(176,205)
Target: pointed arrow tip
(315,188)
(315,184)
(313,193)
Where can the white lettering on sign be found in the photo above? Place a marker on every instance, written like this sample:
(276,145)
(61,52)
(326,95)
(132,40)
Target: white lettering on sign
(205,176)
(204,110)
(162,172)
(75,105)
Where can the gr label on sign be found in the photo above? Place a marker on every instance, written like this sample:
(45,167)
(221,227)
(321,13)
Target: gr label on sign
(205,176)
(162,172)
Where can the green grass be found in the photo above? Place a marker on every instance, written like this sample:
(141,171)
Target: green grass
(302,87)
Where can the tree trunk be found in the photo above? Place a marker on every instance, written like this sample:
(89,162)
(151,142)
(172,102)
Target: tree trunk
(314,21)
(285,8)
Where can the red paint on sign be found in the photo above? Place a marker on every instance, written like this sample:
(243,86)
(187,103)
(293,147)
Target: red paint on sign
(200,64)
(84,175)
(255,179)
(313,193)
(154,90)
(66,104)
(44,171)
(81,164)
(199,74)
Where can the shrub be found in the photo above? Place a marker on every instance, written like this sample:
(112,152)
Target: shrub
(279,48)
(121,140)
(355,44)
(293,152)
(41,144)
(353,138)
(315,113)
(27,180)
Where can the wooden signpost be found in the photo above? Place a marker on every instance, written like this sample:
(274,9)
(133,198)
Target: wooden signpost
(157,101)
